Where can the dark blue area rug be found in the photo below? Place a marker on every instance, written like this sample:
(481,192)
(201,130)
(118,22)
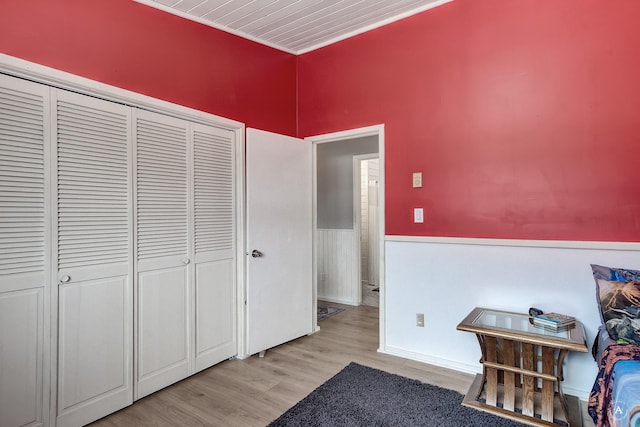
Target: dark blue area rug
(363,396)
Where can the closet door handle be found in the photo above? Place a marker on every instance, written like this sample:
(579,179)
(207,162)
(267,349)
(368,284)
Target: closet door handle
(65,279)
(186,261)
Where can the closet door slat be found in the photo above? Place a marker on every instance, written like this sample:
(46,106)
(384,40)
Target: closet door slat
(93,196)
(22,180)
(213,190)
(162,208)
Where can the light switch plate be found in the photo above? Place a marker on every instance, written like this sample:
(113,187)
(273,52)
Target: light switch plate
(417,179)
(418,215)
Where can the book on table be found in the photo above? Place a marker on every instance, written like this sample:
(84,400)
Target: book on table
(554,329)
(554,320)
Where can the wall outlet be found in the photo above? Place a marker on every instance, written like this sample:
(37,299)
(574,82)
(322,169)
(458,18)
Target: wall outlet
(418,215)
(420,320)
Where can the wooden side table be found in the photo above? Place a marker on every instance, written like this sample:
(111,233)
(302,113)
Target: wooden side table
(522,368)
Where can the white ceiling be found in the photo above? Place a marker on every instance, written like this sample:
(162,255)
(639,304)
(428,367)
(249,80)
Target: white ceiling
(295,26)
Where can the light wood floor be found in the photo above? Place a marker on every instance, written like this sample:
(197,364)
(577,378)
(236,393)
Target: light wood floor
(255,391)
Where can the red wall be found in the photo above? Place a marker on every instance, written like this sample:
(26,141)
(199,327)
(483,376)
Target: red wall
(523,116)
(132,46)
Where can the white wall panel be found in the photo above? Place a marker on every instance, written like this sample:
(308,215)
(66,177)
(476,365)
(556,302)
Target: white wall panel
(338,266)
(446,281)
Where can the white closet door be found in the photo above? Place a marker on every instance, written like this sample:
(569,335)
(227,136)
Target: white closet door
(214,217)
(94,251)
(164,294)
(24,231)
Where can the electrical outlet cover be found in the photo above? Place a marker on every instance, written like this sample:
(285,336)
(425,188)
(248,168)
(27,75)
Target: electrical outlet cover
(418,215)
(417,179)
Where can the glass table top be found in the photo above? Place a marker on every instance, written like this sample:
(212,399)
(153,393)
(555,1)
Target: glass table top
(518,327)
(516,322)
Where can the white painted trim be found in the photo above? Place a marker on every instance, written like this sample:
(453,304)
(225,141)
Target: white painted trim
(381,233)
(50,355)
(314,236)
(241,259)
(375,130)
(212,24)
(436,361)
(372,26)
(347,134)
(562,244)
(52,77)
(580,394)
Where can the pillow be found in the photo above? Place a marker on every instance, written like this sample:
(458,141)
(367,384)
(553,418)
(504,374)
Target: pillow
(620,307)
(616,274)
(618,297)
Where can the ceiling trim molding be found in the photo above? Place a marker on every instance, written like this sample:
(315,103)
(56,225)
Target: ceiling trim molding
(350,34)
(202,21)
(373,26)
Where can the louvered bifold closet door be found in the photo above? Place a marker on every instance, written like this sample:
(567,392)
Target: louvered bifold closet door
(94,256)
(24,233)
(214,219)
(163,255)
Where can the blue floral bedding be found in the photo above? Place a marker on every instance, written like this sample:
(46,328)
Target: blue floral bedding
(615,398)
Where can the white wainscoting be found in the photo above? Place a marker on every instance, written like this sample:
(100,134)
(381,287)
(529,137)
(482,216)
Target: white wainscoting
(446,278)
(338,266)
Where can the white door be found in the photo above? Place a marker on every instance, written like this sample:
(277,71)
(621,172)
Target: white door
(94,257)
(163,253)
(24,252)
(214,207)
(185,247)
(279,239)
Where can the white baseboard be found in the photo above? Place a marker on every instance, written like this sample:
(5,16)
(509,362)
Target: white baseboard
(444,363)
(580,394)
(461,367)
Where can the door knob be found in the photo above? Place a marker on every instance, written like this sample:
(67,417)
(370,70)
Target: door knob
(186,261)
(65,279)
(256,253)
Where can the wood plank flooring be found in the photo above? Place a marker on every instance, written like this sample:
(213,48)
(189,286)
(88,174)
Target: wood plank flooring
(255,391)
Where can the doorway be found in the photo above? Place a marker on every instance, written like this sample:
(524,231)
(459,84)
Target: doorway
(338,269)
